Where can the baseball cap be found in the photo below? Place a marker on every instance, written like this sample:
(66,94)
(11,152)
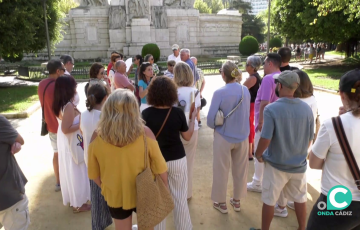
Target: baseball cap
(288,78)
(175,47)
(348,80)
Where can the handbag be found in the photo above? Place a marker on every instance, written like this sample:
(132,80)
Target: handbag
(162,126)
(219,117)
(154,201)
(76,145)
(346,149)
(44,130)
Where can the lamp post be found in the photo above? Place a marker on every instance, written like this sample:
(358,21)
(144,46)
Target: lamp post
(268,35)
(47,31)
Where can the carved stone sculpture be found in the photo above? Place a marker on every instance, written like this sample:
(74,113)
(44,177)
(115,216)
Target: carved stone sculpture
(138,8)
(159,17)
(94,3)
(179,3)
(117,17)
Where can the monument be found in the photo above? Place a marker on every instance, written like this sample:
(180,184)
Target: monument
(98,27)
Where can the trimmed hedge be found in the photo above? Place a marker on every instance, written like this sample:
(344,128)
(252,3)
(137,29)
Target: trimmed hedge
(275,42)
(152,49)
(248,45)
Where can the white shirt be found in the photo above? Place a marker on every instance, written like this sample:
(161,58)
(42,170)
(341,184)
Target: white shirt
(311,101)
(111,77)
(184,94)
(172,57)
(88,124)
(335,169)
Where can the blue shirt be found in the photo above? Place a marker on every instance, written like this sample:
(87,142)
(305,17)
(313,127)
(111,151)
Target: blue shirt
(193,70)
(289,124)
(144,86)
(236,127)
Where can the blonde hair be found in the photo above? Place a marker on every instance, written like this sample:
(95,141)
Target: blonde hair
(231,71)
(183,75)
(120,122)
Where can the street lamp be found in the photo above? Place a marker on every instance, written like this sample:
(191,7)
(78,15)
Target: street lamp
(47,31)
(268,40)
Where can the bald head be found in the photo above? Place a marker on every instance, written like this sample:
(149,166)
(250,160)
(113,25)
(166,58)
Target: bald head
(120,66)
(194,60)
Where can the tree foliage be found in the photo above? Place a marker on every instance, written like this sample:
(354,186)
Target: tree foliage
(351,8)
(300,19)
(216,6)
(66,5)
(202,7)
(253,26)
(248,45)
(22,26)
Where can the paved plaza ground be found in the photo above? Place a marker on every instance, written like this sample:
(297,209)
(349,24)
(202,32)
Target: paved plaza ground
(48,212)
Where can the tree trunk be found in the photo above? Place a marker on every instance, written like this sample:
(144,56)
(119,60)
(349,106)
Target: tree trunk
(340,47)
(286,42)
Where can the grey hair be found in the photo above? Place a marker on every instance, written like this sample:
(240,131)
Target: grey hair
(185,51)
(147,57)
(66,58)
(118,63)
(254,61)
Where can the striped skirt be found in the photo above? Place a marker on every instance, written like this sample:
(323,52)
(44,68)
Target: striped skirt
(100,214)
(177,177)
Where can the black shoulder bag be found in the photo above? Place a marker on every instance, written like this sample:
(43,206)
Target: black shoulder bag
(44,130)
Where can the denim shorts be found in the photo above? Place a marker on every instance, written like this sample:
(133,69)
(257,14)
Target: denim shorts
(53,141)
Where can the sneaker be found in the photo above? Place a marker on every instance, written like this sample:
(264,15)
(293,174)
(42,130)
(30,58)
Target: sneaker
(291,205)
(134,227)
(199,124)
(280,212)
(57,188)
(251,186)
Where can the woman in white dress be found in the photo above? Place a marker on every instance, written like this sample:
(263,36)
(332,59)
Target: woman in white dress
(96,97)
(75,186)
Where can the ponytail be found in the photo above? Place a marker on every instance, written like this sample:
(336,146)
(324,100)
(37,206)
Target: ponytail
(95,95)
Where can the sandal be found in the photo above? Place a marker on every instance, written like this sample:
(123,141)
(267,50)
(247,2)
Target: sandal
(218,206)
(83,208)
(234,203)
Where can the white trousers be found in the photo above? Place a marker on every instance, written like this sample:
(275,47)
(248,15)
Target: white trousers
(259,167)
(17,216)
(177,177)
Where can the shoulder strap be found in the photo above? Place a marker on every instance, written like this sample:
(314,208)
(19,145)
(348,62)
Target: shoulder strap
(242,97)
(167,116)
(145,151)
(197,92)
(346,149)
(43,114)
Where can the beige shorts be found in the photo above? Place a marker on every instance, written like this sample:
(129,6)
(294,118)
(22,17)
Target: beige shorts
(17,216)
(53,141)
(292,184)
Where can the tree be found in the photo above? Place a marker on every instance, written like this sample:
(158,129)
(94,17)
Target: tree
(253,26)
(351,8)
(22,26)
(216,6)
(275,42)
(243,7)
(296,19)
(66,5)
(202,7)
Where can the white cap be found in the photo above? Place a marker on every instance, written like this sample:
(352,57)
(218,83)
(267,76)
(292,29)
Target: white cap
(175,47)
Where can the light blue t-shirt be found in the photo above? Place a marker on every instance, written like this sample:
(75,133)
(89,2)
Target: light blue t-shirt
(144,85)
(289,124)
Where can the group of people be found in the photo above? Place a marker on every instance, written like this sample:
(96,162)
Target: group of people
(310,51)
(98,153)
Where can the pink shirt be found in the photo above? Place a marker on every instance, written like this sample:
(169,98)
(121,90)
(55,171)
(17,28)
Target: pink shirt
(266,93)
(121,81)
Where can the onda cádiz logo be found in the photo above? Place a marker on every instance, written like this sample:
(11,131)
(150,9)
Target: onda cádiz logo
(339,198)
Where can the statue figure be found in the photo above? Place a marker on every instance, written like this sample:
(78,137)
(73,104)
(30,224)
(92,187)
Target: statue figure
(159,17)
(138,8)
(173,3)
(94,3)
(117,17)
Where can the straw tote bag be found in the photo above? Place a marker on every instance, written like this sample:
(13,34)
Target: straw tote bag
(154,201)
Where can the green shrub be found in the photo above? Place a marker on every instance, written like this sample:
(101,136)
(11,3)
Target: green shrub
(275,42)
(248,45)
(14,58)
(152,49)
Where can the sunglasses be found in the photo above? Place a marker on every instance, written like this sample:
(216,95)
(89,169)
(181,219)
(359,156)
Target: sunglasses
(102,73)
(171,65)
(277,81)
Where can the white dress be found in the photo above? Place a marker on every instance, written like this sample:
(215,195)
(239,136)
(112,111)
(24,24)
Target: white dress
(74,180)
